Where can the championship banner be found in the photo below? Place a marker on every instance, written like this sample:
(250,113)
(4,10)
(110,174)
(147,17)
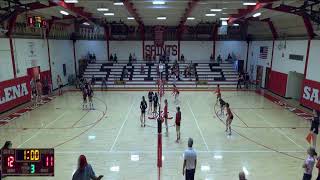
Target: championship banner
(158,36)
(311,94)
(14,92)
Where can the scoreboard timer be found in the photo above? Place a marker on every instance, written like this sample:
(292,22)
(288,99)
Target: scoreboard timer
(27,162)
(37,22)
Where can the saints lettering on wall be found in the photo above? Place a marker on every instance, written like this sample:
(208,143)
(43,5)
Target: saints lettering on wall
(153,50)
(311,94)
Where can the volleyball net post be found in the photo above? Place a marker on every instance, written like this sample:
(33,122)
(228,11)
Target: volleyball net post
(159,120)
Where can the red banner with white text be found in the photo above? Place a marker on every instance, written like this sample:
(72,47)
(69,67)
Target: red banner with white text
(311,94)
(14,92)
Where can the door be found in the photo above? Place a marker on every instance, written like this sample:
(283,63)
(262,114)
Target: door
(266,84)
(259,75)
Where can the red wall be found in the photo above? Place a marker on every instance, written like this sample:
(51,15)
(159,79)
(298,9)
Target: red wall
(311,94)
(8,99)
(278,83)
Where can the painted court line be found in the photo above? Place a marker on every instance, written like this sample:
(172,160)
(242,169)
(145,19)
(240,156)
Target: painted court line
(38,132)
(120,130)
(279,131)
(196,121)
(173,152)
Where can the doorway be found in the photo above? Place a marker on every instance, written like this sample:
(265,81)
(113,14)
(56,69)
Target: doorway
(266,82)
(259,75)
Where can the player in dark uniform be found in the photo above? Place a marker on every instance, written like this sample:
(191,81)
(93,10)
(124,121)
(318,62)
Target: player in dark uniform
(90,96)
(155,102)
(84,96)
(150,96)
(222,104)
(315,127)
(229,118)
(143,107)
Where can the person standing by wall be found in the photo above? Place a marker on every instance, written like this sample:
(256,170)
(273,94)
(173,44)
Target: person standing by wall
(190,161)
(143,107)
(178,124)
(59,84)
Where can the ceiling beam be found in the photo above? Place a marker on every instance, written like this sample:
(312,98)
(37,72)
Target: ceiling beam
(79,11)
(243,13)
(133,12)
(292,10)
(191,5)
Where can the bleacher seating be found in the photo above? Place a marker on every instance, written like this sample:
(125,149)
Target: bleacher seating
(206,74)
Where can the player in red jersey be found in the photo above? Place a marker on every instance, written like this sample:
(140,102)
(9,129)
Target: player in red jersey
(178,123)
(218,92)
(175,93)
(165,115)
(229,118)
(90,96)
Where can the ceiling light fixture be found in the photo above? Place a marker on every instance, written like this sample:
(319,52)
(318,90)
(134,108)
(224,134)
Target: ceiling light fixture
(249,3)
(256,15)
(109,14)
(64,13)
(191,18)
(224,23)
(87,24)
(161,18)
(130,18)
(102,9)
(224,19)
(158,2)
(71,1)
(210,14)
(215,10)
(235,24)
(118,3)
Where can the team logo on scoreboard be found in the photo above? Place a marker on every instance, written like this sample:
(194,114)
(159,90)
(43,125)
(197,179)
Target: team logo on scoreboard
(13,92)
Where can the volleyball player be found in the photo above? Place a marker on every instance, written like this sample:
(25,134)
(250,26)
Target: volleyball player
(84,96)
(176,93)
(222,105)
(90,96)
(229,118)
(155,103)
(314,128)
(165,115)
(143,107)
(218,92)
(150,96)
(178,123)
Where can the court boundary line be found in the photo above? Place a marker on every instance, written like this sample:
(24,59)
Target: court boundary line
(120,130)
(279,131)
(38,132)
(196,121)
(155,152)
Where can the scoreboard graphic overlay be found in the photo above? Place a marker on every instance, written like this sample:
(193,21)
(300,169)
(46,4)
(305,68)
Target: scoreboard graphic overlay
(27,162)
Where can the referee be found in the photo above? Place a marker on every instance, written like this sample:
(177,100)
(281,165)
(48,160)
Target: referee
(190,161)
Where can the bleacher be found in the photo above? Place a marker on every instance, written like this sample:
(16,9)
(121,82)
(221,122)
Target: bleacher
(206,74)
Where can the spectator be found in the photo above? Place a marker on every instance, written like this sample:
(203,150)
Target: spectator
(309,164)
(229,57)
(125,72)
(60,85)
(115,58)
(134,57)
(142,69)
(219,59)
(130,58)
(314,128)
(182,57)
(190,161)
(84,171)
(94,57)
(239,80)
(154,58)
(111,58)
(93,80)
(39,91)
(211,57)
(104,83)
(242,176)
